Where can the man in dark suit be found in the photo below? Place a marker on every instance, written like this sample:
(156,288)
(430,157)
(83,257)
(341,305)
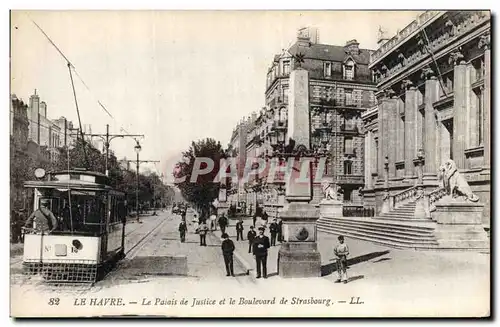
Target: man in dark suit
(251,236)
(227,251)
(260,246)
(239,230)
(182,230)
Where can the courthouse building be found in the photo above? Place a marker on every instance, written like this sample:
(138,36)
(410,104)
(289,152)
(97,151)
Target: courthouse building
(433,81)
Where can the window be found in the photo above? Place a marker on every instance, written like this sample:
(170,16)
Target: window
(286,67)
(348,97)
(348,147)
(347,195)
(327,69)
(347,167)
(349,70)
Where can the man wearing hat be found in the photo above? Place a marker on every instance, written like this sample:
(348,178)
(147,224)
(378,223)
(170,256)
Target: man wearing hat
(273,229)
(227,252)
(260,246)
(42,219)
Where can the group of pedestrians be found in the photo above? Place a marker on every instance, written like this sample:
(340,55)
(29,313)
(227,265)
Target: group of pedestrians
(258,243)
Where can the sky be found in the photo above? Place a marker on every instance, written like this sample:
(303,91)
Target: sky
(174,76)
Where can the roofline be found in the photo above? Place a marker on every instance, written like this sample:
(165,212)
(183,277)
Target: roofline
(68,185)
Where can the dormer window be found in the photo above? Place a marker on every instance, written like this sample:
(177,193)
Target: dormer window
(349,67)
(286,67)
(327,69)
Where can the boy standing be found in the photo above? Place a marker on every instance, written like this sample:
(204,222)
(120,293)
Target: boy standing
(341,251)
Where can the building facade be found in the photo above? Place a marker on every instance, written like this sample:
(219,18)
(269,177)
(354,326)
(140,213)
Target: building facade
(341,88)
(433,81)
(49,135)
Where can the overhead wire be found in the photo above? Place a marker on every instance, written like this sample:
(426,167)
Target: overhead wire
(103,107)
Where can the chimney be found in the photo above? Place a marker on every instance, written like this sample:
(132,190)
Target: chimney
(303,38)
(352,47)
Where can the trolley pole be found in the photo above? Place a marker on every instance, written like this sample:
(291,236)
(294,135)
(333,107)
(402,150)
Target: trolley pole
(107,138)
(137,189)
(137,163)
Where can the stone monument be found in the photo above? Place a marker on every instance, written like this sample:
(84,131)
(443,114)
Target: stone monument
(458,214)
(330,205)
(298,255)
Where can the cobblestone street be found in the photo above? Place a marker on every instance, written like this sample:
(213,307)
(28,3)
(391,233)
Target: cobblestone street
(400,276)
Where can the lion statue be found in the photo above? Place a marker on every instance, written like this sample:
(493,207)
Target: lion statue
(454,183)
(329,191)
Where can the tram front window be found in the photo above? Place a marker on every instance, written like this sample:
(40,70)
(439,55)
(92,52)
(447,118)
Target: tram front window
(80,212)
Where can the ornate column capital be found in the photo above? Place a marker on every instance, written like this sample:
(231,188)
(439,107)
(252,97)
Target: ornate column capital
(389,93)
(428,73)
(407,85)
(456,58)
(485,42)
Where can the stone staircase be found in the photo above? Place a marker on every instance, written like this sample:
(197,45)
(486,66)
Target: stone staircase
(402,234)
(402,213)
(399,228)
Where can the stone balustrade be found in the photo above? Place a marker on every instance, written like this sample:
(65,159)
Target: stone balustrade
(403,197)
(434,44)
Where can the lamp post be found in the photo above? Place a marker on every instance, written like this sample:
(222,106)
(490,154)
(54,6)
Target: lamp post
(137,149)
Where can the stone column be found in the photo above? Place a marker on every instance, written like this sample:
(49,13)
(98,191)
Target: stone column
(392,136)
(368,160)
(431,147)
(410,127)
(485,43)
(382,122)
(460,90)
(298,255)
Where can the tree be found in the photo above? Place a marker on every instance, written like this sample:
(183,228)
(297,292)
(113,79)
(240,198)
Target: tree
(204,190)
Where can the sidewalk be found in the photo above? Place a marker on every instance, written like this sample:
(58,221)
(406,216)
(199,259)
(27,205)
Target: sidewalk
(371,263)
(202,261)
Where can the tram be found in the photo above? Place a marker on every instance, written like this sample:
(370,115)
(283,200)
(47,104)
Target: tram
(89,235)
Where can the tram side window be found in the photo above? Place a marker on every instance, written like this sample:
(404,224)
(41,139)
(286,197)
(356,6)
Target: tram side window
(94,210)
(112,209)
(121,212)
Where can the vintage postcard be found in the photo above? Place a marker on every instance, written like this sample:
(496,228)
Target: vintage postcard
(250,163)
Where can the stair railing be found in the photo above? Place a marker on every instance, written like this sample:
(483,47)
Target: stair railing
(434,196)
(399,199)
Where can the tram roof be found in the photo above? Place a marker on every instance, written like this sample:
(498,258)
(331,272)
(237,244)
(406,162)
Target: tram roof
(69,184)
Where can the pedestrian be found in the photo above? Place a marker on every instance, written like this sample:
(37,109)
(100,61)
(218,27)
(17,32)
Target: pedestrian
(250,237)
(203,229)
(260,246)
(341,251)
(280,230)
(183,230)
(223,223)
(264,218)
(213,224)
(196,224)
(227,251)
(239,230)
(273,229)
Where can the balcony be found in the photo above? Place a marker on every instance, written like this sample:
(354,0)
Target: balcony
(350,179)
(343,103)
(279,125)
(350,152)
(349,128)
(277,101)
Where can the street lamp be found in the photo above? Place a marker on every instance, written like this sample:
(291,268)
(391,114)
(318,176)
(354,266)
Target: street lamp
(137,149)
